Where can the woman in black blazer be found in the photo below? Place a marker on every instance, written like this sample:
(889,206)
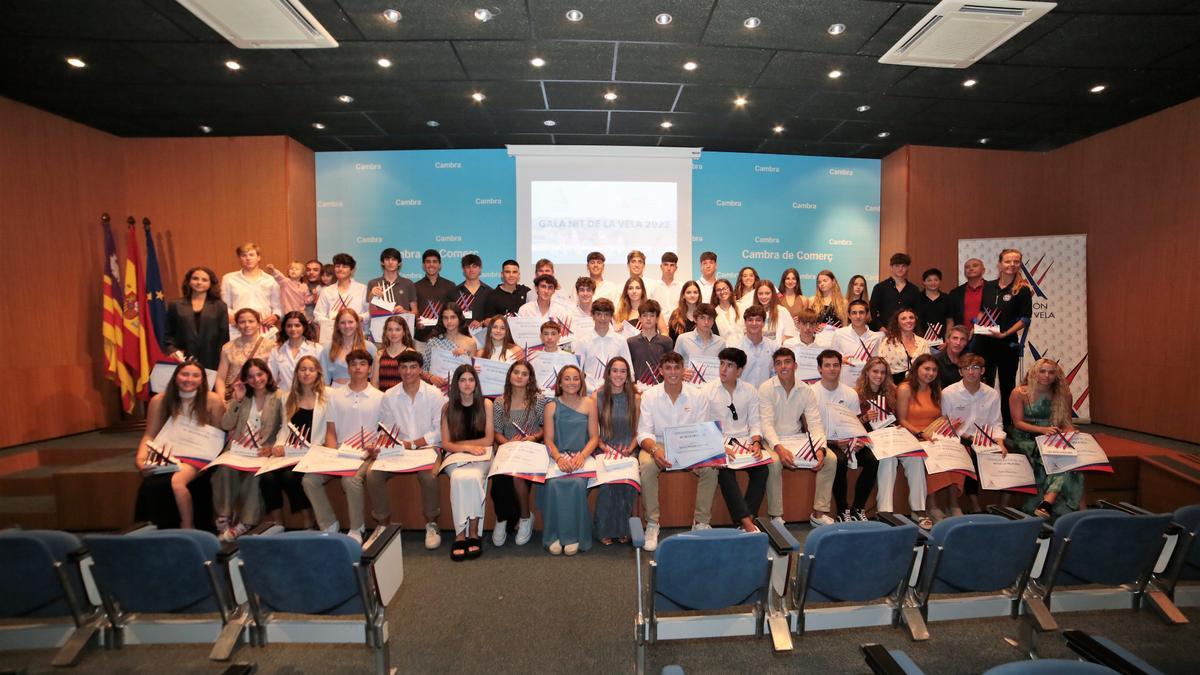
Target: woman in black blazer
(198,322)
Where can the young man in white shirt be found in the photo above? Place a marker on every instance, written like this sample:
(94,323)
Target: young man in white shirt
(635,261)
(351,413)
(596,351)
(669,404)
(604,288)
(856,342)
(585,292)
(545,306)
(345,292)
(251,287)
(734,404)
(546,266)
(783,402)
(830,392)
(974,410)
(708,276)
(413,411)
(700,342)
(667,289)
(805,346)
(757,347)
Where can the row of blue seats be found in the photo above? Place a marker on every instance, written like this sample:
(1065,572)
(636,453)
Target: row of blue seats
(995,564)
(147,585)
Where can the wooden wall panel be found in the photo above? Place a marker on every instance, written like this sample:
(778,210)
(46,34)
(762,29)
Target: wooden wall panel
(893,209)
(301,186)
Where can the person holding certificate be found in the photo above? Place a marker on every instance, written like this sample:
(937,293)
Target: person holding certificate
(255,415)
(757,346)
(188,385)
(545,306)
(391,288)
(433,293)
(935,311)
(974,410)
(683,317)
(901,344)
(347,337)
(450,334)
(729,315)
(617,411)
(304,411)
(250,344)
(572,435)
(833,398)
(856,343)
(877,406)
(700,340)
(735,405)
(919,404)
(351,418)
(1042,406)
(507,298)
(499,345)
(649,345)
(412,411)
(787,407)
(779,325)
(344,293)
(472,293)
(596,351)
(395,341)
(198,322)
(1009,299)
(295,342)
(828,301)
(467,428)
(517,415)
(633,300)
(669,404)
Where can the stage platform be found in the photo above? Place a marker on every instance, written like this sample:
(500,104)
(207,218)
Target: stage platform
(88,482)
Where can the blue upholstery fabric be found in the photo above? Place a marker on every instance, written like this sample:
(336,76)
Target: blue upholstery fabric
(1107,546)
(905,662)
(303,572)
(1189,517)
(1128,656)
(29,585)
(159,572)
(983,552)
(858,561)
(1050,667)
(710,569)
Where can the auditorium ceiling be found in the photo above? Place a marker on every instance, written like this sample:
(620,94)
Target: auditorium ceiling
(154,69)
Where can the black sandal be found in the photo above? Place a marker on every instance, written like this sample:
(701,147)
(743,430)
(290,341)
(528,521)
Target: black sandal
(458,551)
(476,544)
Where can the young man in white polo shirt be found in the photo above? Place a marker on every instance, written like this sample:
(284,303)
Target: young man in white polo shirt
(344,292)
(604,288)
(708,276)
(831,392)
(700,342)
(668,404)
(734,404)
(856,342)
(251,287)
(596,351)
(666,290)
(758,348)
(974,410)
(544,306)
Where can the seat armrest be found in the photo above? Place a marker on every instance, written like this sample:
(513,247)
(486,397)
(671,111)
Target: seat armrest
(637,536)
(1092,650)
(379,542)
(897,520)
(881,661)
(1007,512)
(781,540)
(78,555)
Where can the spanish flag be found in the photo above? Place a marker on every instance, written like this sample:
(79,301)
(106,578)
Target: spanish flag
(110,328)
(133,346)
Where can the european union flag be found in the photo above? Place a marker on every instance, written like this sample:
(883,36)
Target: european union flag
(155,300)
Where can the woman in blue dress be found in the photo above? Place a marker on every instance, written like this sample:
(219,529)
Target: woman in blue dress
(617,411)
(572,435)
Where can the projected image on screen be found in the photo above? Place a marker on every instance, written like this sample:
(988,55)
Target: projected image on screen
(571,218)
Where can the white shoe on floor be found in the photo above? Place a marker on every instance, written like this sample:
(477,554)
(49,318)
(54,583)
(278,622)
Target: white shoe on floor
(524,530)
(234,532)
(778,522)
(556,548)
(571,549)
(500,533)
(356,535)
(818,521)
(696,527)
(334,528)
(651,537)
(433,536)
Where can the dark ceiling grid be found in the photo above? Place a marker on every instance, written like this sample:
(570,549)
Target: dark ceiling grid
(155,69)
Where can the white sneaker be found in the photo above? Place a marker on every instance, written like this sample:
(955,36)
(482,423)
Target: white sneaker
(696,527)
(356,535)
(234,532)
(651,537)
(777,521)
(500,533)
(433,536)
(556,548)
(524,530)
(571,549)
(334,528)
(818,521)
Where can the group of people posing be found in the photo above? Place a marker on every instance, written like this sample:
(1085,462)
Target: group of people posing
(784,362)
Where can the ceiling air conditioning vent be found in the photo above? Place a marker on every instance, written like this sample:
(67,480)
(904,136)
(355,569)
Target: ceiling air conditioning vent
(262,24)
(956,34)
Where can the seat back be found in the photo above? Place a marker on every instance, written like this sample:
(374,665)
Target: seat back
(1189,518)
(858,561)
(29,584)
(1050,667)
(160,572)
(710,569)
(983,552)
(303,572)
(1107,546)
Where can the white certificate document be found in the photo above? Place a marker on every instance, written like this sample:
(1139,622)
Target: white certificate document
(628,329)
(617,472)
(443,362)
(456,458)
(704,369)
(895,442)
(806,360)
(693,445)
(523,459)
(850,373)
(1089,456)
(190,442)
(398,460)
(947,454)
(547,364)
(843,424)
(989,331)
(492,376)
(277,463)
(588,470)
(1012,473)
(581,329)
(526,330)
(737,457)
(160,376)
(328,461)
(1058,445)
(803,453)
(239,461)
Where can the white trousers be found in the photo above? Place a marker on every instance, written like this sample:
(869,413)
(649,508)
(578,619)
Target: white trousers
(914,472)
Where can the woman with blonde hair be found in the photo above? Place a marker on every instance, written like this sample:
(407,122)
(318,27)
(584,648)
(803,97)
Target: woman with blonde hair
(1042,406)
(827,300)
(617,408)
(779,325)
(249,344)
(347,336)
(304,410)
(633,296)
(1007,302)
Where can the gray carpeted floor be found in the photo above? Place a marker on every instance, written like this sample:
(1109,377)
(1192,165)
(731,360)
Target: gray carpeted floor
(521,610)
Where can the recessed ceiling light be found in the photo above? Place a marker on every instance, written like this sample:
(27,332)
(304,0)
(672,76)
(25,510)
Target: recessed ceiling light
(836,29)
(970,83)
(663,19)
(478,96)
(752,22)
(483,14)
(690,65)
(537,62)
(384,63)
(318,126)
(346,98)
(863,108)
(549,123)
(883,134)
(574,15)
(1098,88)
(76,62)
(984,141)
(392,15)
(740,101)
(233,65)
(778,128)
(610,96)
(835,74)
(205,129)
(666,125)
(432,123)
